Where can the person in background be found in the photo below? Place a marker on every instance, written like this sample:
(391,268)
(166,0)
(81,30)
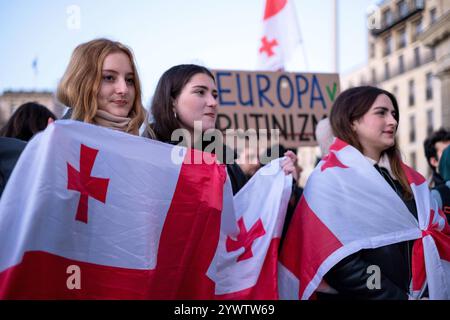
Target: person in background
(29,119)
(101,86)
(324,136)
(434,145)
(442,192)
(10,150)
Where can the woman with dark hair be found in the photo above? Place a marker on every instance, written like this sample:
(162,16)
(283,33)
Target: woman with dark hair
(367,119)
(360,223)
(187,94)
(27,120)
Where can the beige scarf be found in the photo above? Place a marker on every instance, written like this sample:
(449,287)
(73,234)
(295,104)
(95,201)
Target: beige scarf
(108,120)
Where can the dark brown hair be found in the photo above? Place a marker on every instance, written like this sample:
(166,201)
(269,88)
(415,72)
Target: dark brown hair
(26,121)
(353,104)
(167,91)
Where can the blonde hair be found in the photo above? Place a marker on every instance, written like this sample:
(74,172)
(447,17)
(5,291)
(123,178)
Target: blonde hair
(80,84)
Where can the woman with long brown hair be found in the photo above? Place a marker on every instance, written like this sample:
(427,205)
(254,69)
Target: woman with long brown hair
(365,217)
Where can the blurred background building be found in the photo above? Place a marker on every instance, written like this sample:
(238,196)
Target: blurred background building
(409,55)
(11,100)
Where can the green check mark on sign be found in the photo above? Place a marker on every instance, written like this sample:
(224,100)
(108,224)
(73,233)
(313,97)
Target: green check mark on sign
(332,93)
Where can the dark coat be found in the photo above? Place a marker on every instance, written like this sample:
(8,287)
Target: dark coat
(10,150)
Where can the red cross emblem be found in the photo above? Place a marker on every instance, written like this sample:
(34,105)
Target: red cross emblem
(267,46)
(85,184)
(245,239)
(332,161)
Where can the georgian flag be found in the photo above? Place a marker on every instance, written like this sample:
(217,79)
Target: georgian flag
(280,35)
(92,213)
(341,213)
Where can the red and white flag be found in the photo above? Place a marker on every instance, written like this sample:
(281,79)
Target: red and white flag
(92,213)
(280,37)
(340,213)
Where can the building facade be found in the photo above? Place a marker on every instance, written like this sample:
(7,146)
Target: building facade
(11,100)
(409,55)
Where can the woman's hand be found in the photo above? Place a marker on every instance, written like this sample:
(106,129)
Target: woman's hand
(289,164)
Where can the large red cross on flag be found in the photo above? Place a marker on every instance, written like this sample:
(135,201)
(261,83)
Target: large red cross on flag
(153,225)
(280,35)
(82,182)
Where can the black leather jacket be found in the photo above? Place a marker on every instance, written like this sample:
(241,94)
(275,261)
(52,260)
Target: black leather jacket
(349,276)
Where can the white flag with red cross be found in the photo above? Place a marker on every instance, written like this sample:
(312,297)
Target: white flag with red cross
(92,213)
(280,37)
(340,213)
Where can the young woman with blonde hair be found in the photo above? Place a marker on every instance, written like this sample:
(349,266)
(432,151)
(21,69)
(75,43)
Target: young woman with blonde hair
(101,86)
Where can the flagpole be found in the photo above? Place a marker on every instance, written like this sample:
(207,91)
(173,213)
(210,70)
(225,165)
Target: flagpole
(35,72)
(335,42)
(302,44)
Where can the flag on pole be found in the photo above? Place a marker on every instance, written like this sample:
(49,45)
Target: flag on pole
(280,36)
(92,213)
(329,225)
(34,65)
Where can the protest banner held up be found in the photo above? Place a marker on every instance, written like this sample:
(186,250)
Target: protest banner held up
(293,103)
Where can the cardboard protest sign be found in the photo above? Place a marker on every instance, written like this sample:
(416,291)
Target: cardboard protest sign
(290,102)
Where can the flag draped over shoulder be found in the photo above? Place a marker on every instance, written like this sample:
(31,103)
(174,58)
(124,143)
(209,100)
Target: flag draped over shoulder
(136,218)
(281,35)
(347,206)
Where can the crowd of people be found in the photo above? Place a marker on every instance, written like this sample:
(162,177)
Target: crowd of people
(101,86)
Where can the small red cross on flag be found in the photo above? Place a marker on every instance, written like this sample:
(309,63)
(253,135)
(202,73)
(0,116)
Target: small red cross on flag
(267,46)
(82,182)
(332,161)
(245,239)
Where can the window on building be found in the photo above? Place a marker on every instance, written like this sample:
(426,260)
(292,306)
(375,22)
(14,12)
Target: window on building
(411,92)
(387,45)
(429,86)
(386,71)
(416,57)
(402,8)
(374,76)
(413,159)
(401,38)
(372,50)
(432,15)
(401,64)
(395,93)
(430,122)
(417,29)
(420,4)
(433,53)
(387,17)
(412,128)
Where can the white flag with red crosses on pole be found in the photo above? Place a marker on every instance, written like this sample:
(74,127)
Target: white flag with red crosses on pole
(280,37)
